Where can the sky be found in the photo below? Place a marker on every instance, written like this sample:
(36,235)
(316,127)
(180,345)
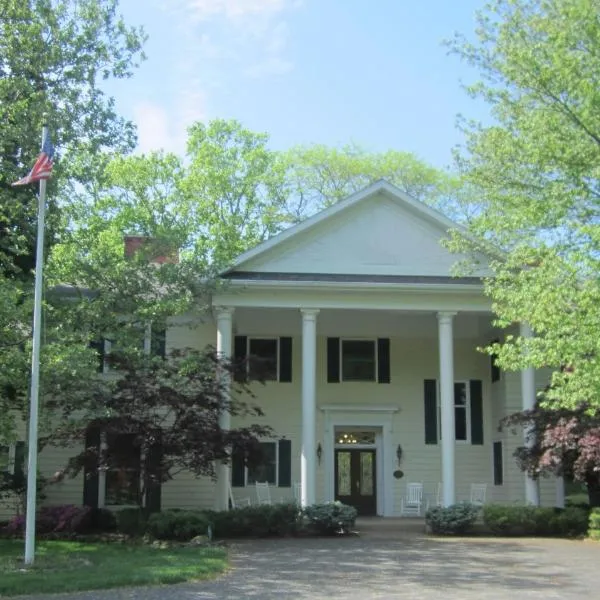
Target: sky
(374,73)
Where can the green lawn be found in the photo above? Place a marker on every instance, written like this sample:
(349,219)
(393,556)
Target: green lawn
(71,566)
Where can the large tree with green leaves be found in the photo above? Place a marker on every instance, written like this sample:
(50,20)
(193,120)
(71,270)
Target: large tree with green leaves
(54,55)
(537,169)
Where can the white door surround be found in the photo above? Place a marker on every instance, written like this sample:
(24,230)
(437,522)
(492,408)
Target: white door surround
(377,418)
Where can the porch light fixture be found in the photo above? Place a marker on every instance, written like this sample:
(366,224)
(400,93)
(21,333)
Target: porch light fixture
(319,452)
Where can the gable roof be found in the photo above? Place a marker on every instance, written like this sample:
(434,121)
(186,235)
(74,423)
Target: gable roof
(379,229)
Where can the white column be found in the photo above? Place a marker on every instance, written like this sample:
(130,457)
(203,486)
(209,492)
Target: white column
(309,402)
(224,349)
(446,344)
(532,492)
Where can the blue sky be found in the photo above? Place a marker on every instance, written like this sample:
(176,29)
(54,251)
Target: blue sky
(305,71)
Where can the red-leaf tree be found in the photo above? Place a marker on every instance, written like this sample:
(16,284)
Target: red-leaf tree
(167,409)
(562,442)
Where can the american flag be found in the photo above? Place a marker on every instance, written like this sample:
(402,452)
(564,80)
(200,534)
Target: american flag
(42,169)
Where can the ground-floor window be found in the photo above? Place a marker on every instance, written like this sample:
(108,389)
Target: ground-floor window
(123,482)
(267,470)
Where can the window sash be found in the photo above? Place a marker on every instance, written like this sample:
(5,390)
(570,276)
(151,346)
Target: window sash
(272,463)
(364,362)
(268,372)
(462,412)
(120,486)
(7,458)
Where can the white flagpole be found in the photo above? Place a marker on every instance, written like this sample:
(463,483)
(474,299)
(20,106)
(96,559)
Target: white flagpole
(35,375)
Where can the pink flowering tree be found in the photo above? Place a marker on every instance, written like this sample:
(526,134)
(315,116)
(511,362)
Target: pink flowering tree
(563,442)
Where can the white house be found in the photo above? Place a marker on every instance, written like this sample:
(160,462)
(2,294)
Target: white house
(373,348)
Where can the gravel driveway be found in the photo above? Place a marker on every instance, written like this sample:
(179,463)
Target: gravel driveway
(391,564)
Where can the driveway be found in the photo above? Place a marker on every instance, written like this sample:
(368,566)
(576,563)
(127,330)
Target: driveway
(392,562)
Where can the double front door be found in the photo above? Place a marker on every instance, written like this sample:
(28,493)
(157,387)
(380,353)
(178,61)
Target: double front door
(355,483)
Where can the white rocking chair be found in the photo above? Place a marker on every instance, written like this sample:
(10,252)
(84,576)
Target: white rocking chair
(412,503)
(236,503)
(478,491)
(436,499)
(263,493)
(297,493)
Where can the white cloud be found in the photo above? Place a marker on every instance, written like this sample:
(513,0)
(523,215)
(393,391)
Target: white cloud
(201,10)
(163,129)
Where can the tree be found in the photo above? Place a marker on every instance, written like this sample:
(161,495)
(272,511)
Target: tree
(235,190)
(53,56)
(157,418)
(536,167)
(563,442)
(318,176)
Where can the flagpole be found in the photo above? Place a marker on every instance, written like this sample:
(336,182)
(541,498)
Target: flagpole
(35,375)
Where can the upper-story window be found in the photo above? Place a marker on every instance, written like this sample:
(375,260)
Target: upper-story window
(263,358)
(359,360)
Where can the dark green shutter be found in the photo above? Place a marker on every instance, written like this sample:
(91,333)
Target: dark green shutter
(240,346)
(98,346)
(333,360)
(383,360)
(154,491)
(285,359)
(90,472)
(285,463)
(158,342)
(238,469)
(430,405)
(498,468)
(19,458)
(476,412)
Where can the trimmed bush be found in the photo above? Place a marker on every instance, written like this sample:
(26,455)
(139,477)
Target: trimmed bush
(516,520)
(457,519)
(255,521)
(102,520)
(131,521)
(177,525)
(331,518)
(594,524)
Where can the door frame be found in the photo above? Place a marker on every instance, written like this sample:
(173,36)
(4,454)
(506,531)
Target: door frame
(378,417)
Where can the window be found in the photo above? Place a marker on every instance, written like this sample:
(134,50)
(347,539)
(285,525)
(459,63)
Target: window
(6,458)
(498,466)
(359,360)
(461,411)
(123,473)
(263,363)
(267,470)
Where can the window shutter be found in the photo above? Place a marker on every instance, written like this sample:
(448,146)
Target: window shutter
(430,394)
(498,467)
(153,493)
(285,463)
(90,472)
(238,469)
(240,346)
(19,458)
(158,345)
(285,359)
(476,412)
(383,360)
(333,360)
(98,346)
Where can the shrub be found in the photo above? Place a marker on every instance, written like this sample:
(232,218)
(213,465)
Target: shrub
(331,518)
(102,519)
(177,525)
(534,520)
(131,521)
(452,520)
(255,521)
(594,524)
(65,518)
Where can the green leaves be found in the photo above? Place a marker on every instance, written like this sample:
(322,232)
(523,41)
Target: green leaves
(537,172)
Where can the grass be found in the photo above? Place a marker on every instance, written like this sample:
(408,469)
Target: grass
(62,566)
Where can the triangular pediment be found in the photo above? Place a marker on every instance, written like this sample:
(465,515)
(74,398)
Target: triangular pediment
(377,232)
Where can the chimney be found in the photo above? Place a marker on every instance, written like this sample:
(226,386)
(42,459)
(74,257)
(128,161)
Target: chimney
(158,252)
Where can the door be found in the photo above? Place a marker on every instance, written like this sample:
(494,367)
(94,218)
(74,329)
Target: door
(355,479)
